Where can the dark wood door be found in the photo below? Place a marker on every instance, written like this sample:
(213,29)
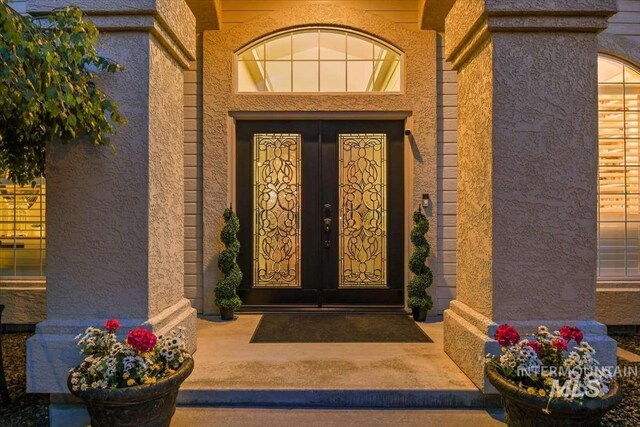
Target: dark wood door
(321,212)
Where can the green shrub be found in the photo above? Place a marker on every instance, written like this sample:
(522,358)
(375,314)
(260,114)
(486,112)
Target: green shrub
(47,71)
(423,277)
(226,296)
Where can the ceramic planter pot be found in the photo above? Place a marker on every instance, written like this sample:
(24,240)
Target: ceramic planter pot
(524,410)
(227,313)
(419,314)
(140,406)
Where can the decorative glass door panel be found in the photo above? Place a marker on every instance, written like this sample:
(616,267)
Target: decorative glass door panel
(276,209)
(321,212)
(363,214)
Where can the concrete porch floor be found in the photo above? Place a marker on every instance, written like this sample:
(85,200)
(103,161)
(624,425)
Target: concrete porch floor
(230,371)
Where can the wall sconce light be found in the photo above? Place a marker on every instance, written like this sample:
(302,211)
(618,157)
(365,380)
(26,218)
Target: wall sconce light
(426,201)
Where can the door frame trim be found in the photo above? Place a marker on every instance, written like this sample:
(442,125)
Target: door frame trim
(320,115)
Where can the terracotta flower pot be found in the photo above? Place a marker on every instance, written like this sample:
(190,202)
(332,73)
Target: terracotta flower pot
(419,314)
(524,410)
(140,406)
(227,313)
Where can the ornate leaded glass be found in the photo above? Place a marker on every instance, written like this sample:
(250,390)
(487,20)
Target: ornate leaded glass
(363,215)
(276,209)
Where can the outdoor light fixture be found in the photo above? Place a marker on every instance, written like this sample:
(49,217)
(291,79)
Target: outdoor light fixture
(426,201)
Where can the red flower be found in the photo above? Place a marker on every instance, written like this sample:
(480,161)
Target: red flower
(535,345)
(569,333)
(141,339)
(560,344)
(506,335)
(112,325)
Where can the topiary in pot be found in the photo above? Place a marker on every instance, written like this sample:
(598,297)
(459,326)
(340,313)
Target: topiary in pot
(419,301)
(226,297)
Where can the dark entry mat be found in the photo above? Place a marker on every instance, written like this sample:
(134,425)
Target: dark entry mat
(345,328)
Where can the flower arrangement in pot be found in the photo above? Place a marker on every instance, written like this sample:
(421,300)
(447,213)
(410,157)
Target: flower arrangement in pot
(543,382)
(130,383)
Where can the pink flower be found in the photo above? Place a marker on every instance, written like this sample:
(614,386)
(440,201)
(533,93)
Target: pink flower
(569,333)
(560,344)
(535,345)
(141,340)
(506,335)
(112,325)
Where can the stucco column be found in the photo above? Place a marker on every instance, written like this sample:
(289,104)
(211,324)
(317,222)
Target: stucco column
(115,222)
(527,162)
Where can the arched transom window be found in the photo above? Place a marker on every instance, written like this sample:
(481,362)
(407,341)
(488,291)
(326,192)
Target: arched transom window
(319,60)
(619,170)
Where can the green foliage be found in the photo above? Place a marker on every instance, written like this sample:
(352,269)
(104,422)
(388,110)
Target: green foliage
(226,296)
(423,277)
(47,91)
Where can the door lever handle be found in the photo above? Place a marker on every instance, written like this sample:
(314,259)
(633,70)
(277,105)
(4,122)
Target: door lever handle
(327,225)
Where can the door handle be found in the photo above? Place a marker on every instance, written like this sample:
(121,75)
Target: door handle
(327,226)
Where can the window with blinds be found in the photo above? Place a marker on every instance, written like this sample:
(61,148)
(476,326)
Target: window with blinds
(22,230)
(619,170)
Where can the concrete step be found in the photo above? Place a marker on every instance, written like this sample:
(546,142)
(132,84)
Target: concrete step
(251,417)
(379,399)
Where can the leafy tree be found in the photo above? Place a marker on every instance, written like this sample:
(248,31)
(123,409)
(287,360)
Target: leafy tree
(47,91)
(226,296)
(423,279)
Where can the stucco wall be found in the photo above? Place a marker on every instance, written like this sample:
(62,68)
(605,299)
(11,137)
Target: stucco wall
(25,302)
(219,99)
(475,181)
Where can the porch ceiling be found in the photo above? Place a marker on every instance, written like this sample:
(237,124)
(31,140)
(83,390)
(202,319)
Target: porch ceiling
(413,14)
(402,12)
(433,13)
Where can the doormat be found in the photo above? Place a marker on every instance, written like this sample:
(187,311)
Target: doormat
(334,327)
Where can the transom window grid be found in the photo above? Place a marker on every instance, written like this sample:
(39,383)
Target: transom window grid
(619,171)
(319,60)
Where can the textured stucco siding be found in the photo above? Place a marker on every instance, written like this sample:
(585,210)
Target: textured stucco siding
(25,302)
(627,21)
(193,180)
(447,87)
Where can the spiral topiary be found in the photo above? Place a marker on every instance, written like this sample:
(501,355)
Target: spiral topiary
(225,292)
(423,278)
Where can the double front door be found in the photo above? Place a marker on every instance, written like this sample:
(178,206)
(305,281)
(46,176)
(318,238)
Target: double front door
(321,212)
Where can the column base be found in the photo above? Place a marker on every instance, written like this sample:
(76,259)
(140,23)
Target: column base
(468,339)
(52,351)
